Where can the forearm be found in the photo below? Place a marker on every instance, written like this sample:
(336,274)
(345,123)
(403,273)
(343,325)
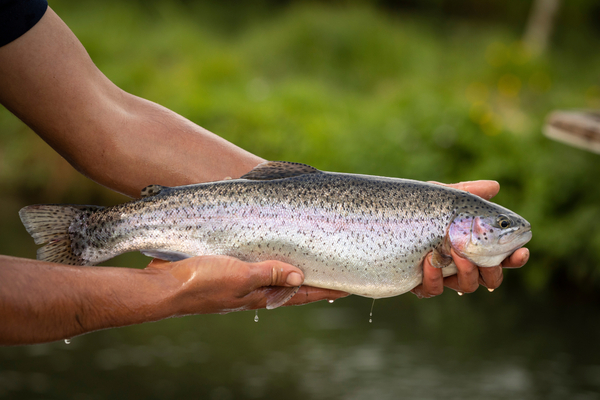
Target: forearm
(122,141)
(42,302)
(150,144)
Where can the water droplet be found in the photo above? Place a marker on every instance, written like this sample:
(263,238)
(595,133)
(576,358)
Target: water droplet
(330,301)
(490,290)
(67,341)
(256,316)
(460,293)
(371,313)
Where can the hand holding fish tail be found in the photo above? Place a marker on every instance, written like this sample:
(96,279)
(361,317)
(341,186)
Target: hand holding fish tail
(468,276)
(221,284)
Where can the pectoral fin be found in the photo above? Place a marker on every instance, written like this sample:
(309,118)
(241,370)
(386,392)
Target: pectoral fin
(166,255)
(440,260)
(152,190)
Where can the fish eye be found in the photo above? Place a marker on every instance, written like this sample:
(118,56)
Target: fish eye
(503,221)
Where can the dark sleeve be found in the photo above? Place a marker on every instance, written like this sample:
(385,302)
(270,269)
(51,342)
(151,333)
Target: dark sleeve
(19,16)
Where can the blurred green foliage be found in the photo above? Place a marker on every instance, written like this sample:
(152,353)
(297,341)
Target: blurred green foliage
(349,88)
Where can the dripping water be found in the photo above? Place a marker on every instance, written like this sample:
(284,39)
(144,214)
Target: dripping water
(256,316)
(371,313)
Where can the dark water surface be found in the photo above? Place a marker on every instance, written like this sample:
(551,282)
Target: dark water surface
(479,346)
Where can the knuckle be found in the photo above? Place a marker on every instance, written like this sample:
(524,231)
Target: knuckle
(276,275)
(466,268)
(245,273)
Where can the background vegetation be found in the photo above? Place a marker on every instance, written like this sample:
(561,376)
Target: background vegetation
(426,89)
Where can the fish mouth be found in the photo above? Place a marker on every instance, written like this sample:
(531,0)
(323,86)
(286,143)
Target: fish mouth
(519,239)
(525,236)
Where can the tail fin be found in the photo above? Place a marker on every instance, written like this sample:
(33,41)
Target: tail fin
(49,224)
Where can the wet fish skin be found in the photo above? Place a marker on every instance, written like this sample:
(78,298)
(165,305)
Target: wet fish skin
(361,234)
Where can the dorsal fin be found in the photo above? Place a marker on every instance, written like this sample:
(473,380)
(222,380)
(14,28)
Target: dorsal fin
(152,190)
(270,170)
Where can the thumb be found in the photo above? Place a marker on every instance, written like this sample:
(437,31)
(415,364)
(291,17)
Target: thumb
(482,188)
(276,273)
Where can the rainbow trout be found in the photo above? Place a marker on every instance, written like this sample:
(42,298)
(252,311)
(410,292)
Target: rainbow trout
(366,235)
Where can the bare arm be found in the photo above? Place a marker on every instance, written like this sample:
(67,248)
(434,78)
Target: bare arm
(126,143)
(47,301)
(122,141)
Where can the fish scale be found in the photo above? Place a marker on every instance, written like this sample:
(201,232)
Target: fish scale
(361,234)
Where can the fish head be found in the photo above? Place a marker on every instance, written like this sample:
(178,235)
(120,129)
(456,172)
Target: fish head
(486,233)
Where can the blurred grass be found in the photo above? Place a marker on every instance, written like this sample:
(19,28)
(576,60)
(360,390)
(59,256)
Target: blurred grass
(346,88)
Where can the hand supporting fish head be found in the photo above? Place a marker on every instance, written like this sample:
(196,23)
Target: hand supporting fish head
(488,238)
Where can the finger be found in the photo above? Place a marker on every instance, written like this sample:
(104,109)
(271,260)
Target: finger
(418,291)
(517,259)
(483,188)
(491,277)
(467,275)
(309,294)
(452,283)
(275,273)
(433,281)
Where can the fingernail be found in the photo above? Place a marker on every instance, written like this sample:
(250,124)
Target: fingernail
(460,293)
(294,279)
(490,290)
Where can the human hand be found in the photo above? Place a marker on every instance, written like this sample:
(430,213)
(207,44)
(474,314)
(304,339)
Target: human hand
(469,276)
(221,284)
